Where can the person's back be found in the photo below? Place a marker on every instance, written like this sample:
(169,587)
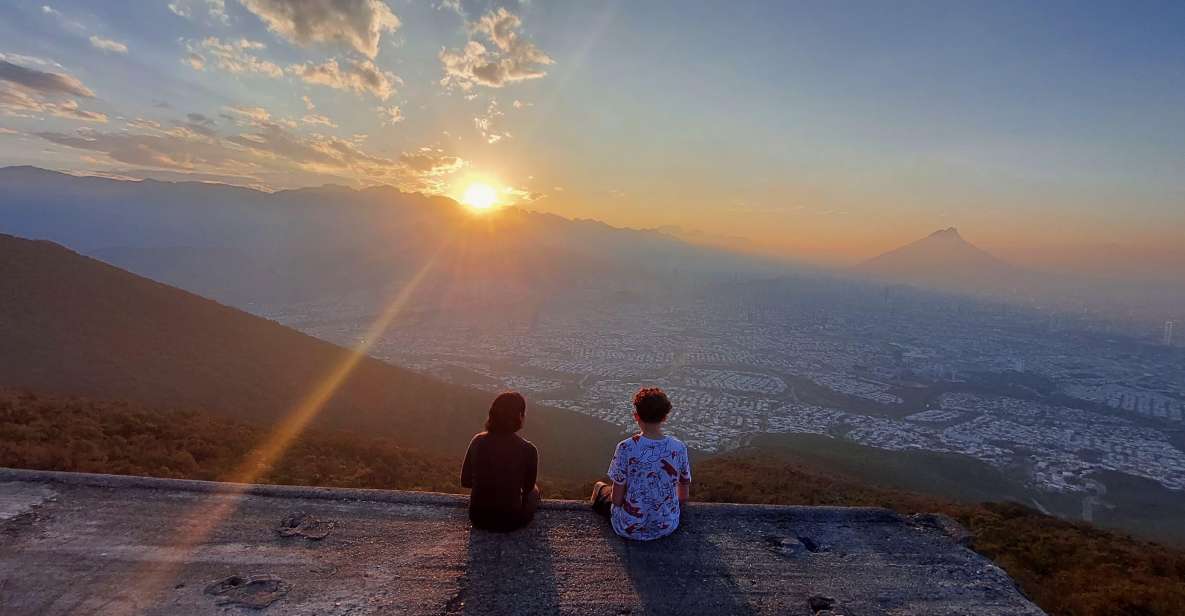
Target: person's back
(651,475)
(500,469)
(651,470)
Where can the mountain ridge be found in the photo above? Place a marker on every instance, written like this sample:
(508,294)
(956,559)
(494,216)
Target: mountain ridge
(246,247)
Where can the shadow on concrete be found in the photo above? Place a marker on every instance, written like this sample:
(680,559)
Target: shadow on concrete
(508,573)
(680,573)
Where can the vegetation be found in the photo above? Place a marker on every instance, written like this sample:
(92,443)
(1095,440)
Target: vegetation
(73,434)
(1069,569)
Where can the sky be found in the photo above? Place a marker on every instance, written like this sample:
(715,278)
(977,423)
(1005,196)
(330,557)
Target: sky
(826,131)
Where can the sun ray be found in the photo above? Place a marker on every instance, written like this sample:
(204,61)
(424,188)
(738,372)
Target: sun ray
(156,576)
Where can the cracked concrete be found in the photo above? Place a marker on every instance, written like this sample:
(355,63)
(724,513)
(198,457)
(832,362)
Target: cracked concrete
(81,544)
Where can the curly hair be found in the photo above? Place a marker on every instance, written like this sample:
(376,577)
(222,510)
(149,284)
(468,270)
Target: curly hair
(651,404)
(507,413)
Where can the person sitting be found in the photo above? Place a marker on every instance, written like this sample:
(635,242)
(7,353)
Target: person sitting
(500,469)
(651,475)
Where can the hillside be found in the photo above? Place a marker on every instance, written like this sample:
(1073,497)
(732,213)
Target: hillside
(1068,569)
(74,325)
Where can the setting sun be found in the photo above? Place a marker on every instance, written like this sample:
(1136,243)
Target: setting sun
(480,197)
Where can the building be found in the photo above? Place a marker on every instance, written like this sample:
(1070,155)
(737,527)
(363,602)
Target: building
(1168,332)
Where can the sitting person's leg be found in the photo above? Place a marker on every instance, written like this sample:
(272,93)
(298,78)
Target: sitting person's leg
(531,502)
(602,498)
(530,505)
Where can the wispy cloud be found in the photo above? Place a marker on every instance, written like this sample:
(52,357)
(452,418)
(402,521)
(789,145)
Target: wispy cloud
(513,58)
(357,25)
(486,124)
(390,116)
(28,92)
(268,149)
(42,81)
(316,119)
(20,103)
(360,76)
(215,10)
(106,44)
(254,114)
(233,56)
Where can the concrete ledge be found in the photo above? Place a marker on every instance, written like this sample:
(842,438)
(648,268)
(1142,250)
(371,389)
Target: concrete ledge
(436,499)
(75,543)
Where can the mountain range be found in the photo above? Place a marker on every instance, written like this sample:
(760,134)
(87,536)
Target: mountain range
(247,247)
(254,249)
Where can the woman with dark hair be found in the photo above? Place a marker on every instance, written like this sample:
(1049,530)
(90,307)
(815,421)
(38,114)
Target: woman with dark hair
(500,469)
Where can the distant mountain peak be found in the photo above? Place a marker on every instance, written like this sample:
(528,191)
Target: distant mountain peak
(943,260)
(950,233)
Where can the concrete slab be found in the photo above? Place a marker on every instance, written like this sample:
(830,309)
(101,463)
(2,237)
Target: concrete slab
(101,544)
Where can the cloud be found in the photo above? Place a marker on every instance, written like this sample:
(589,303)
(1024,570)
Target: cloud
(104,44)
(390,115)
(199,124)
(253,114)
(215,9)
(357,25)
(485,124)
(360,76)
(431,161)
(515,195)
(231,56)
(15,101)
(43,82)
(195,60)
(167,150)
(501,27)
(49,10)
(308,103)
(268,151)
(27,92)
(450,5)
(314,119)
(512,59)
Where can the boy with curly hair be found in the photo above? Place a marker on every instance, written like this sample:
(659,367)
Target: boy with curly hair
(651,475)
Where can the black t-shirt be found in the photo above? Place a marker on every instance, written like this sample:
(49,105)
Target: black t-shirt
(499,469)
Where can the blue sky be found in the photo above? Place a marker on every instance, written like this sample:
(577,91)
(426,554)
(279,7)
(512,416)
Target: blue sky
(824,128)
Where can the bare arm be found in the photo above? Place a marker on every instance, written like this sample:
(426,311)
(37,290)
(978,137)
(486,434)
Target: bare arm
(684,491)
(619,494)
(467,469)
(532,470)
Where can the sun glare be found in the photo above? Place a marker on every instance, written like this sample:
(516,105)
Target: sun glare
(480,197)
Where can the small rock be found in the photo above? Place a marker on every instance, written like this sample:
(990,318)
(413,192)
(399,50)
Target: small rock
(252,591)
(304,525)
(819,603)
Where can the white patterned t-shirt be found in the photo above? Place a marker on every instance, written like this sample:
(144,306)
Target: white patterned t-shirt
(652,470)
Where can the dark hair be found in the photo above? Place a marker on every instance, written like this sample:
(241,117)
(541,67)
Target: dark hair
(651,404)
(507,412)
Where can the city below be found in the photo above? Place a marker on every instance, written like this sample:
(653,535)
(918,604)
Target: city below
(1036,395)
